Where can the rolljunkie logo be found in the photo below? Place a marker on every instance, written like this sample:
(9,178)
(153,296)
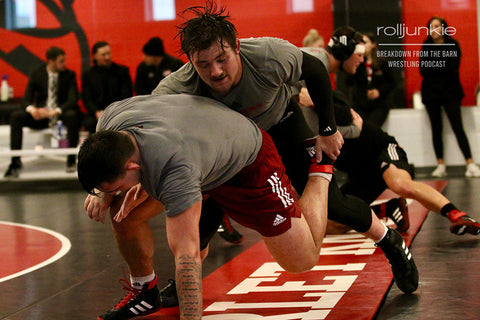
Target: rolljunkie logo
(401,30)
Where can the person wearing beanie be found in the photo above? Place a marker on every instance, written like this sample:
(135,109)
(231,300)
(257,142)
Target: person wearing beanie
(155,66)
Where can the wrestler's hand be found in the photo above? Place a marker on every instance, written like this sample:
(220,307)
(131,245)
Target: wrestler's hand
(304,99)
(96,207)
(331,145)
(133,198)
(356,119)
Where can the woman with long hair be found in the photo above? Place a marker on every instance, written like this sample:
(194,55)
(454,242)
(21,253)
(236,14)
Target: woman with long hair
(441,87)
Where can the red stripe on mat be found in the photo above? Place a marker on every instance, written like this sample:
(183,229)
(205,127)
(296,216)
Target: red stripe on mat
(22,247)
(349,282)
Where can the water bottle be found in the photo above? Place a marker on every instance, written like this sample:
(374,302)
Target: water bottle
(4,88)
(59,137)
(62,135)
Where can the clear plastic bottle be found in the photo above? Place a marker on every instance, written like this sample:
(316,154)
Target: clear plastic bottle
(59,136)
(4,88)
(60,131)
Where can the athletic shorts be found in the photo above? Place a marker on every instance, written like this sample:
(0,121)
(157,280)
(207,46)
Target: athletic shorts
(393,153)
(260,196)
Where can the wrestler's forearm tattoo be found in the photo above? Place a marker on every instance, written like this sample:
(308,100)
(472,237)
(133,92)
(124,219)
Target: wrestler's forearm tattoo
(189,287)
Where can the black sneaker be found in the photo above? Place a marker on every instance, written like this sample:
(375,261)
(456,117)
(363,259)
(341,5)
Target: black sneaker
(13,171)
(464,224)
(398,212)
(228,232)
(404,269)
(142,302)
(395,209)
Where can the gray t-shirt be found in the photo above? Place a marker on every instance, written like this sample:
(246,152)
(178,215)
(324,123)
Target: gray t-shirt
(270,67)
(188,144)
(318,53)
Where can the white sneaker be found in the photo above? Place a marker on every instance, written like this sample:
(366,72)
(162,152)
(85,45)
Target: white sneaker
(473,171)
(440,171)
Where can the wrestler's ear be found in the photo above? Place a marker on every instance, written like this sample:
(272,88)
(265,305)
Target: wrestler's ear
(237,49)
(132,165)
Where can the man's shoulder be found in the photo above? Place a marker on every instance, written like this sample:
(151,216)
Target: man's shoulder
(68,73)
(173,59)
(41,69)
(89,71)
(263,41)
(267,48)
(173,62)
(120,67)
(142,65)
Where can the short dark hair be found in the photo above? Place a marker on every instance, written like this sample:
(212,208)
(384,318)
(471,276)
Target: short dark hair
(102,158)
(99,44)
(211,25)
(54,52)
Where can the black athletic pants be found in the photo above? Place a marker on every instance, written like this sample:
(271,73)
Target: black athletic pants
(454,114)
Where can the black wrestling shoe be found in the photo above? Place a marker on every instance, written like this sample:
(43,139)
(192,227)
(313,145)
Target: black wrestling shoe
(397,210)
(168,295)
(228,232)
(403,266)
(142,302)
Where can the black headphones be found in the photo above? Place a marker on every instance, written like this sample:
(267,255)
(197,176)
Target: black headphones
(342,46)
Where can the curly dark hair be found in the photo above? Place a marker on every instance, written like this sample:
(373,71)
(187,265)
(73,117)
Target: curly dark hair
(210,25)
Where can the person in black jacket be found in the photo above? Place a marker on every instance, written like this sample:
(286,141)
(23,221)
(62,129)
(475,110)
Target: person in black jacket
(105,82)
(51,95)
(156,65)
(372,84)
(441,87)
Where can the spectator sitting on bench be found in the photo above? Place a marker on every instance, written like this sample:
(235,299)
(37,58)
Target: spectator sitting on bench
(103,83)
(51,94)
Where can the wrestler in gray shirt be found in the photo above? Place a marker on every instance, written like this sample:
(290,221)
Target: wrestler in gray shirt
(182,152)
(269,66)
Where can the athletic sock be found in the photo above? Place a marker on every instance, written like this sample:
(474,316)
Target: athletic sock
(384,233)
(451,212)
(138,282)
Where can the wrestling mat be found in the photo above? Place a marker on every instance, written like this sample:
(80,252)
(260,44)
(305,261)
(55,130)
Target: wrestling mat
(349,282)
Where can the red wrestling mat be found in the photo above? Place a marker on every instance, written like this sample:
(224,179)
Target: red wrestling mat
(349,282)
(26,248)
